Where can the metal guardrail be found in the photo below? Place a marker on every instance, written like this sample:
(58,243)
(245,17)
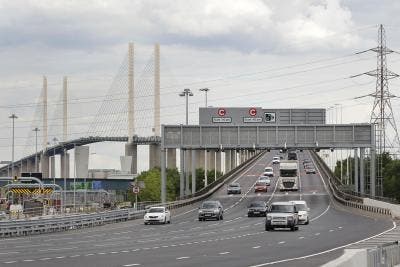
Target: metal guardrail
(39,226)
(48,225)
(343,197)
(386,255)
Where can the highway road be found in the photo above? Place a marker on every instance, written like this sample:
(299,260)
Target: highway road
(235,241)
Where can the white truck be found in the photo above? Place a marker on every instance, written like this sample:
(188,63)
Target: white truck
(289,175)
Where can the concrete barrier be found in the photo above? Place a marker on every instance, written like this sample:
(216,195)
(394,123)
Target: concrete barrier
(350,258)
(394,209)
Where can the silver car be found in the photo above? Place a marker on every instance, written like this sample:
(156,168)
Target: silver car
(211,209)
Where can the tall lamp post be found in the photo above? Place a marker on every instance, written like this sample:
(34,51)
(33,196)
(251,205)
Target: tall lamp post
(341,152)
(185,93)
(36,130)
(205,90)
(13,117)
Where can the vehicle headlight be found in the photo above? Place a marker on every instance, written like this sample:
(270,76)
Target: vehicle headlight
(161,215)
(269,218)
(216,211)
(290,218)
(200,211)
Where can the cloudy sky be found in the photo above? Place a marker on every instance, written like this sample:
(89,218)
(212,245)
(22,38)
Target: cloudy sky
(271,54)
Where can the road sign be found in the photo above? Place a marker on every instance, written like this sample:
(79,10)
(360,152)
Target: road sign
(136,189)
(253,112)
(270,117)
(221,112)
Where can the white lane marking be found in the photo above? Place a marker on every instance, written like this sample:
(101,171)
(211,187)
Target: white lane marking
(133,264)
(9,262)
(301,237)
(101,253)
(317,233)
(45,259)
(28,260)
(91,254)
(331,230)
(114,252)
(324,252)
(325,211)
(282,242)
(133,250)
(56,249)
(340,227)
(60,257)
(182,258)
(74,256)
(224,253)
(257,247)
(10,252)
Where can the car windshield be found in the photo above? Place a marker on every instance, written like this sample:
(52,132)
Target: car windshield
(276,157)
(288,173)
(156,210)
(234,185)
(282,208)
(209,205)
(260,184)
(268,169)
(257,204)
(301,207)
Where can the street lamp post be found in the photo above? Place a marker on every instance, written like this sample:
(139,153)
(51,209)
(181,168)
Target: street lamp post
(36,130)
(341,152)
(13,117)
(205,90)
(186,93)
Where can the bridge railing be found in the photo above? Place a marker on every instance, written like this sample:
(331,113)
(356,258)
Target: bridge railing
(342,197)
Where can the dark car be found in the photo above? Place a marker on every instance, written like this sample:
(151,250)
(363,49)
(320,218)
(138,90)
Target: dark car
(257,208)
(310,170)
(234,188)
(211,209)
(260,187)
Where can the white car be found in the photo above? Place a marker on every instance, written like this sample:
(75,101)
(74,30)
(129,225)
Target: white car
(276,160)
(264,179)
(301,207)
(269,171)
(157,215)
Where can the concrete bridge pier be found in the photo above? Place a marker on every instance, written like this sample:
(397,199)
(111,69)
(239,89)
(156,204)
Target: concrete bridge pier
(131,150)
(52,166)
(30,165)
(227,160)
(64,162)
(154,156)
(82,161)
(44,165)
(187,164)
(218,167)
(233,159)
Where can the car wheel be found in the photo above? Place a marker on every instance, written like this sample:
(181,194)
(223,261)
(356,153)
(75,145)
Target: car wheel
(292,228)
(165,220)
(267,228)
(222,217)
(307,222)
(296,228)
(146,223)
(169,221)
(248,215)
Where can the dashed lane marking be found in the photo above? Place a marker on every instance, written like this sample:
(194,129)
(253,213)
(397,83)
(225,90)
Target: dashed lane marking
(182,258)
(224,253)
(257,247)
(133,264)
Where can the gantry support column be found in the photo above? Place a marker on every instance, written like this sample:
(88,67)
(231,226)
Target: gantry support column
(163,177)
(182,173)
(193,171)
(200,159)
(362,170)
(356,185)
(188,164)
(373,173)
(171,158)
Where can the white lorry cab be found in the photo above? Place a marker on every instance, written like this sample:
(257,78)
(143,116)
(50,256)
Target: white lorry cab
(289,175)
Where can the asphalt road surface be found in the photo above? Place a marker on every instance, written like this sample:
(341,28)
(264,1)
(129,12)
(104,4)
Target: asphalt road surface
(235,241)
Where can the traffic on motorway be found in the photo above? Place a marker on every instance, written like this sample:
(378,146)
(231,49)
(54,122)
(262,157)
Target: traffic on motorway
(237,226)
